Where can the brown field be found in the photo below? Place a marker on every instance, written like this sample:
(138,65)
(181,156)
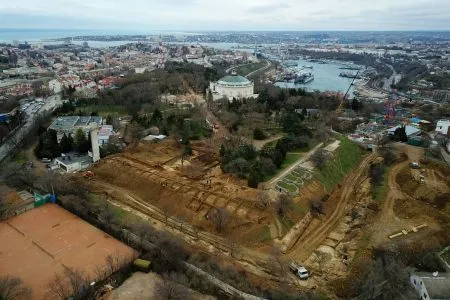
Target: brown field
(43,241)
(152,173)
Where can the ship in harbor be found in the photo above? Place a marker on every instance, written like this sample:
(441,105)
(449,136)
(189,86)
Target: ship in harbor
(304,77)
(290,64)
(349,75)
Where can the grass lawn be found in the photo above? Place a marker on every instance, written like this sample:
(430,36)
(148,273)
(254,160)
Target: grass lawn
(288,161)
(265,234)
(20,158)
(104,110)
(248,68)
(286,224)
(345,159)
(446,256)
(379,192)
(290,187)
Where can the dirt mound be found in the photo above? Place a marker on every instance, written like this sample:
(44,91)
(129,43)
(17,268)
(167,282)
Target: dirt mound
(434,190)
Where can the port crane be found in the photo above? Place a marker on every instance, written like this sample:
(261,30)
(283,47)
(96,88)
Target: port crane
(341,105)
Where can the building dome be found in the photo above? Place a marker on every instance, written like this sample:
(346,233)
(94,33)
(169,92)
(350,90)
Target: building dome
(234,80)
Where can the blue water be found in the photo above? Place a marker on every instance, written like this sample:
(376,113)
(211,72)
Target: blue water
(326,78)
(9,35)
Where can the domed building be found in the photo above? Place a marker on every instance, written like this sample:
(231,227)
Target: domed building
(232,86)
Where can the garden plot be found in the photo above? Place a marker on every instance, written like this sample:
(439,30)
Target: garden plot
(295,179)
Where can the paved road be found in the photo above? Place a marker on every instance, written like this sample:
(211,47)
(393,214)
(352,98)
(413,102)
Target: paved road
(295,165)
(51,103)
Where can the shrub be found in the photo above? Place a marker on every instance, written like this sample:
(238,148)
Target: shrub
(258,134)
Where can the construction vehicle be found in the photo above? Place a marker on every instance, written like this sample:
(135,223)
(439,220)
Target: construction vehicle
(88,174)
(299,270)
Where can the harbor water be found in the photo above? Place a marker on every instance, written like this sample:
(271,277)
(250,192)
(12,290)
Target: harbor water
(326,77)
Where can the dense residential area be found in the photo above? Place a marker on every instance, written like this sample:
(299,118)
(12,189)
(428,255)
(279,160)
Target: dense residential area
(226,165)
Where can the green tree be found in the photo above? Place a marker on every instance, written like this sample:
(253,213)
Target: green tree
(258,134)
(66,143)
(157,116)
(400,134)
(80,141)
(48,145)
(109,120)
(254,178)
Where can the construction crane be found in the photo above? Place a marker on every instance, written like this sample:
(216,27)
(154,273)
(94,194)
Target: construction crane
(341,105)
(390,104)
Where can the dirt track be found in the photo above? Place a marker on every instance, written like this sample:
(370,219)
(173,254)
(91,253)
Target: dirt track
(313,237)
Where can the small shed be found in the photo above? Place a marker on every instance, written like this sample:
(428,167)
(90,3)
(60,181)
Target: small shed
(142,265)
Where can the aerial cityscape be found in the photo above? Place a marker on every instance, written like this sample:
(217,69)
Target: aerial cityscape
(199,150)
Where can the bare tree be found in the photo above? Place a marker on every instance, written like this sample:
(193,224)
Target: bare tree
(107,215)
(166,212)
(322,134)
(233,245)
(317,206)
(181,220)
(283,204)
(387,279)
(79,282)
(171,250)
(221,218)
(168,289)
(264,198)
(278,263)
(143,230)
(12,288)
(320,158)
(5,205)
(58,287)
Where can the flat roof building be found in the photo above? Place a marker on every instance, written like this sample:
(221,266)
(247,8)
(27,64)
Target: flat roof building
(69,125)
(431,286)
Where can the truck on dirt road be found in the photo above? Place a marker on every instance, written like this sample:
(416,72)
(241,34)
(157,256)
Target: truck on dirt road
(299,270)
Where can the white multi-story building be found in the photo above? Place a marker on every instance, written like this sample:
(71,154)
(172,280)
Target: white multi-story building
(431,286)
(232,86)
(442,126)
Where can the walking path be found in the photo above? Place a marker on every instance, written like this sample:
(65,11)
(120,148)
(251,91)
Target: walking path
(301,160)
(268,64)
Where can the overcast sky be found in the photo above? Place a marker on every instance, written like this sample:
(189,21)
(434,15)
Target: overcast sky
(193,15)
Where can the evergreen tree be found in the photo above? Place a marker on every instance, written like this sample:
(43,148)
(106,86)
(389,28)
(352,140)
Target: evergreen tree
(304,113)
(66,143)
(80,141)
(157,116)
(400,134)
(48,145)
(109,120)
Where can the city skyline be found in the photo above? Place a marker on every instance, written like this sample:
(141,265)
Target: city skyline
(196,15)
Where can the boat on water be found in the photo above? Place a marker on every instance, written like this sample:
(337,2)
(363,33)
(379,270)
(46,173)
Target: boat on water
(304,77)
(290,64)
(350,68)
(308,67)
(348,75)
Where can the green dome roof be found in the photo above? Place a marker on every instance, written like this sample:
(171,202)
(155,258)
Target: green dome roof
(234,80)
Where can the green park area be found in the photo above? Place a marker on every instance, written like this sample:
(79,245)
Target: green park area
(248,68)
(344,160)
